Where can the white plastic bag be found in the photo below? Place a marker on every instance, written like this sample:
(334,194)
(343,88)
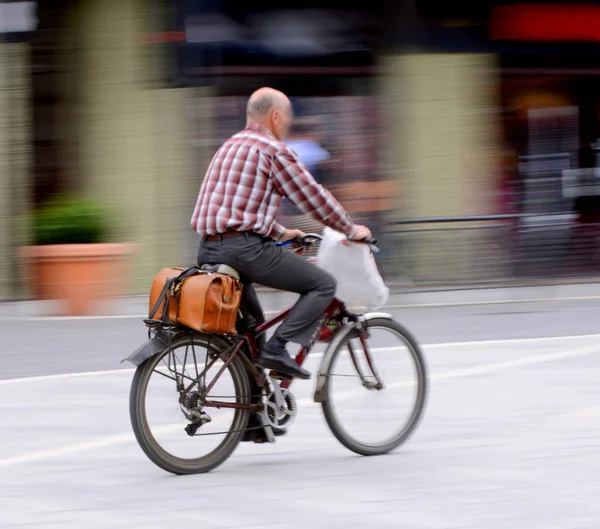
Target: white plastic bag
(359,283)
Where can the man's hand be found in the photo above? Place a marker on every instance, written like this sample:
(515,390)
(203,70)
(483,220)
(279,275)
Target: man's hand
(362,232)
(291,234)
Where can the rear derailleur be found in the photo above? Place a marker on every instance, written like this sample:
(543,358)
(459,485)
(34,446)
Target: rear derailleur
(192,409)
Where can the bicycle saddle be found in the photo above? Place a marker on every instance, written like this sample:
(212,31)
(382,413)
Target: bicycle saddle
(221,268)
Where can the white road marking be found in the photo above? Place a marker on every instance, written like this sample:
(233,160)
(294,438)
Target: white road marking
(74,318)
(582,413)
(25,380)
(53,453)
(510,341)
(484,369)
(102,442)
(426,347)
(518,362)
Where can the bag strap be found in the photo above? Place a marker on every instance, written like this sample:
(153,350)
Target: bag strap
(161,297)
(165,293)
(166,306)
(188,272)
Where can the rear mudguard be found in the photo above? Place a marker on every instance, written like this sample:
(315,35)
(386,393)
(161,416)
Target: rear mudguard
(162,341)
(319,394)
(148,349)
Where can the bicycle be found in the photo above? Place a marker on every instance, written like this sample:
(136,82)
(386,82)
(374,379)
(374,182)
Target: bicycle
(275,407)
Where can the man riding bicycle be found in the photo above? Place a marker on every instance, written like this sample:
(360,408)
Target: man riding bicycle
(235,216)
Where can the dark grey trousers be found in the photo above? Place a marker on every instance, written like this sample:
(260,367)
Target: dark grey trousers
(260,260)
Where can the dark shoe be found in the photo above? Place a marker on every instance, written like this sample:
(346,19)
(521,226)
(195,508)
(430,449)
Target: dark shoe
(256,431)
(281,362)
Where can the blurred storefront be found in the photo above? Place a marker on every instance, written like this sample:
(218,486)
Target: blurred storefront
(426,108)
(545,55)
(127,100)
(538,63)
(86,110)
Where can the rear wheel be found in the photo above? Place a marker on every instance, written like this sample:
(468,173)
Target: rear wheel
(166,399)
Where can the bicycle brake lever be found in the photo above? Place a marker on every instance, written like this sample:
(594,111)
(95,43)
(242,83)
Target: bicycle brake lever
(371,242)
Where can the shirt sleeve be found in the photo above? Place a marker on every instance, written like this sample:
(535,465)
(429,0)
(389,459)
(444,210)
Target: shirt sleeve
(294,181)
(277,231)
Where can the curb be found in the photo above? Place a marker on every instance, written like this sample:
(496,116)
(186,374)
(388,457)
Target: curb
(274,300)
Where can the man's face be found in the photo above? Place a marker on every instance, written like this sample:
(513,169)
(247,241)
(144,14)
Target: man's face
(281,120)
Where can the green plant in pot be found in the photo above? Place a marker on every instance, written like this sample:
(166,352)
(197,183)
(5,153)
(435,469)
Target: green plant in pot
(72,258)
(70,220)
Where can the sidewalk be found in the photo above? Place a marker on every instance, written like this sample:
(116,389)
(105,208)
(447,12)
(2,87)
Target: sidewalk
(400,296)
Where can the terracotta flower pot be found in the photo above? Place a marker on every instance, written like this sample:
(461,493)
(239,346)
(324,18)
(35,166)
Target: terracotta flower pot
(79,275)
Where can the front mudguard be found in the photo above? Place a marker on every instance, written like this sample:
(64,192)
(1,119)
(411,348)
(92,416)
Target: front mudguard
(325,364)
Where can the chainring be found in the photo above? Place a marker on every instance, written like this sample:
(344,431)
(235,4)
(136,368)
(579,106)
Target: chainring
(280,419)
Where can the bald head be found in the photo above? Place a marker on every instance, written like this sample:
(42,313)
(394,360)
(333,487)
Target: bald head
(264,101)
(271,109)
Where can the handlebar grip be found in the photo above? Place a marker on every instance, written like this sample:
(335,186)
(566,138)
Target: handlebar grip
(369,240)
(287,243)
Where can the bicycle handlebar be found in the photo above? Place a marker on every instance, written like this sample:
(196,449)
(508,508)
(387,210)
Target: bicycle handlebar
(304,240)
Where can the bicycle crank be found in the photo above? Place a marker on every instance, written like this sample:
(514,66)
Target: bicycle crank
(280,408)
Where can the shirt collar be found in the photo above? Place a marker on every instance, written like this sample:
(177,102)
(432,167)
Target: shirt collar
(259,128)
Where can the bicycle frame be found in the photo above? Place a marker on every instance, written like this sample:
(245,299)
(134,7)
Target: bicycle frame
(333,309)
(249,337)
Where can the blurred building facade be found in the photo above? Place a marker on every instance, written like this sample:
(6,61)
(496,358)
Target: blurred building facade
(424,106)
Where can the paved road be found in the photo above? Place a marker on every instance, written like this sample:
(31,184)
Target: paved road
(510,438)
(38,347)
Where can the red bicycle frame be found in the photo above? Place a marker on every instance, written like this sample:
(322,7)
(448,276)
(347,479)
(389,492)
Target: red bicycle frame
(334,307)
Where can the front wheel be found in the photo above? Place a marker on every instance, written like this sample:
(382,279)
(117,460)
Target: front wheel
(376,388)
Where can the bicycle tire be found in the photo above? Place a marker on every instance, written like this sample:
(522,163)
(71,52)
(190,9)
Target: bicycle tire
(330,417)
(149,445)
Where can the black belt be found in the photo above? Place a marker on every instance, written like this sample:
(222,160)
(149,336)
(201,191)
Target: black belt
(227,234)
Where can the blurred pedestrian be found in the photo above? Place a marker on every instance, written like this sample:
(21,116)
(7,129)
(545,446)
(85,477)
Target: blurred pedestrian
(303,140)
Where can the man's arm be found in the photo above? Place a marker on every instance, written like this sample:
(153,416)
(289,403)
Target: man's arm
(277,231)
(282,234)
(294,181)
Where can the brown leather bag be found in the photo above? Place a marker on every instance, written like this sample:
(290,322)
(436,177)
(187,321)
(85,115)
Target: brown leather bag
(204,301)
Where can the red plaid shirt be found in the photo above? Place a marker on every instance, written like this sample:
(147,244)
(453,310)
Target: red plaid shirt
(246,180)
